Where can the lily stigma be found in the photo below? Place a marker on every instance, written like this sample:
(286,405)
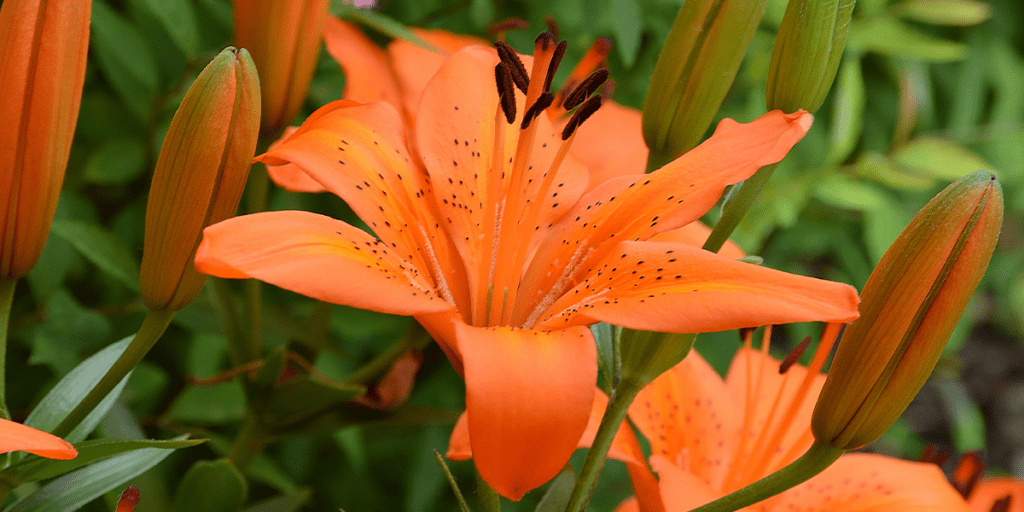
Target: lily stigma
(489,232)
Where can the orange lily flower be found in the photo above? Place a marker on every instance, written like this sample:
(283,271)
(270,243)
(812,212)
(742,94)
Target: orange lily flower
(710,437)
(487,238)
(15,436)
(610,143)
(1000,494)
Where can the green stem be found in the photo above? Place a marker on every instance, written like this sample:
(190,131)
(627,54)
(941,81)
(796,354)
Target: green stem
(618,405)
(6,300)
(152,328)
(255,201)
(737,207)
(489,499)
(818,457)
(248,443)
(414,338)
(224,307)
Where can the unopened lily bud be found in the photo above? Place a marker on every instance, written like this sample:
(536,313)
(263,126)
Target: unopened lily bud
(695,69)
(284,38)
(129,499)
(199,176)
(806,54)
(910,305)
(43,47)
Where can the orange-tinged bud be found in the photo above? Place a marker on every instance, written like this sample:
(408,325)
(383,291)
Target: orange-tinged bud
(129,499)
(43,46)
(199,176)
(284,38)
(910,305)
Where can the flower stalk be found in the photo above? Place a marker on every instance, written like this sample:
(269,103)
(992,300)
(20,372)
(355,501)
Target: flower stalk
(817,458)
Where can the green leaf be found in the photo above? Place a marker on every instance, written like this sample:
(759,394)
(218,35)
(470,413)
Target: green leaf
(67,331)
(288,503)
(557,496)
(380,23)
(59,402)
(89,452)
(102,248)
(178,18)
(116,162)
(604,335)
(211,486)
(895,39)
(627,27)
(73,490)
(303,396)
(124,58)
(882,170)
(964,414)
(209,405)
(939,158)
(848,111)
(957,13)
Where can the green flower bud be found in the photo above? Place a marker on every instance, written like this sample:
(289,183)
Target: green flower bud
(806,54)
(695,70)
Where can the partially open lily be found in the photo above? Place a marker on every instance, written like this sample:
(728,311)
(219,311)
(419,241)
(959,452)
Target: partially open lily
(15,436)
(487,237)
(710,436)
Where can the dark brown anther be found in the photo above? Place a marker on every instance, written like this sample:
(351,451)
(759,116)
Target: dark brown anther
(603,45)
(794,355)
(552,26)
(1002,504)
(506,93)
(507,24)
(515,66)
(933,455)
(543,102)
(585,89)
(967,473)
(545,40)
(556,59)
(585,111)
(608,90)
(746,333)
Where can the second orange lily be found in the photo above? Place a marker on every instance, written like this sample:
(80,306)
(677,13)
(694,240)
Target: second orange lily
(491,240)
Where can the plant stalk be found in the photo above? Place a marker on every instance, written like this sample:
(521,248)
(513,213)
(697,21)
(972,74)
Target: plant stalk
(6,300)
(618,404)
(736,208)
(815,460)
(152,328)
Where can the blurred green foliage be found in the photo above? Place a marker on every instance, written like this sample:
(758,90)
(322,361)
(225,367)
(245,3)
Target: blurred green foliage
(928,90)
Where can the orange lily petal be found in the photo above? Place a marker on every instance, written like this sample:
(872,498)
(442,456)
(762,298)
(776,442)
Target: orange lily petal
(639,207)
(990,490)
(860,481)
(15,436)
(414,65)
(682,491)
(290,176)
(646,285)
(529,395)
(459,447)
(358,152)
(690,418)
(695,234)
(769,384)
(368,73)
(455,136)
(630,504)
(319,257)
(611,143)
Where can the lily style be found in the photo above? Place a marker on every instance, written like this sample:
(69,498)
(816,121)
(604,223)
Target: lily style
(711,436)
(488,230)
